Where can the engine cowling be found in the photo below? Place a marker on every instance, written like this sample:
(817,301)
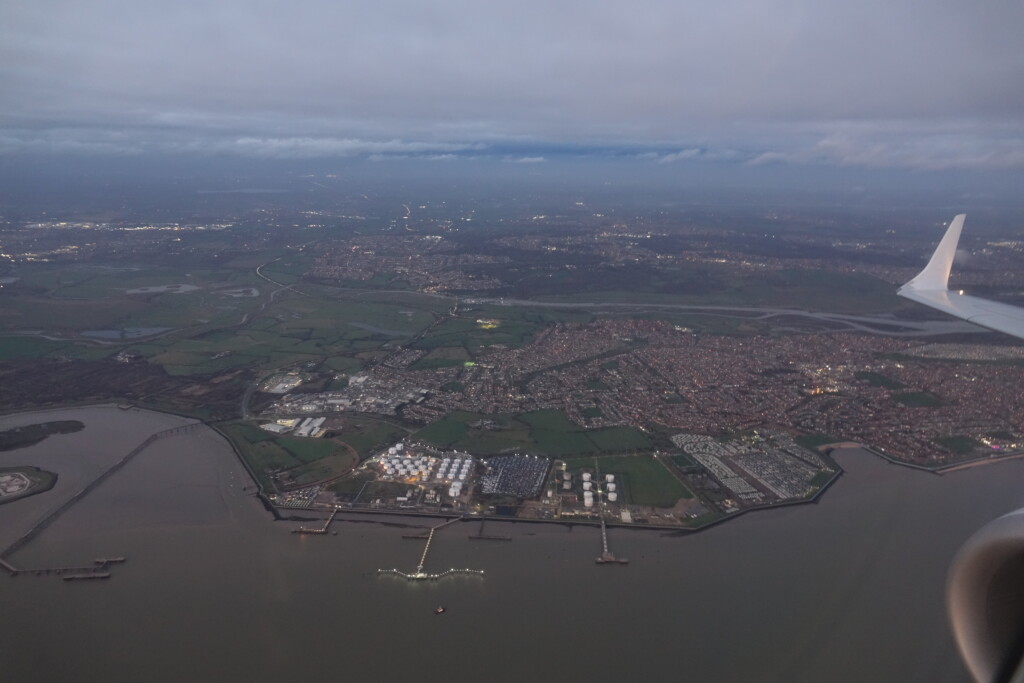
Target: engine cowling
(986,599)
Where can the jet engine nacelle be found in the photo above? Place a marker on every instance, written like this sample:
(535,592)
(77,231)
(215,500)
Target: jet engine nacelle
(986,599)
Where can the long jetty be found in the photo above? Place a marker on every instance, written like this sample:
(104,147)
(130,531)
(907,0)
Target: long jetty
(430,538)
(606,556)
(99,569)
(52,516)
(419,574)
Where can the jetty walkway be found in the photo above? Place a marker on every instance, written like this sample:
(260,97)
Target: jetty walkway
(321,530)
(419,574)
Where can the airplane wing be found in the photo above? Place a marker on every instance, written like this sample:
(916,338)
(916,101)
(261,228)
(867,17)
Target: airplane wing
(986,603)
(931,288)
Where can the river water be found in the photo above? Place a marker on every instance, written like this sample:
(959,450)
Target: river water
(849,589)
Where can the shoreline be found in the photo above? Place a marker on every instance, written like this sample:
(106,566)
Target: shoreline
(667,530)
(281,513)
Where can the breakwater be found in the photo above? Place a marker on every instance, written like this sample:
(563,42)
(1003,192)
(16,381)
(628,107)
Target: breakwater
(54,514)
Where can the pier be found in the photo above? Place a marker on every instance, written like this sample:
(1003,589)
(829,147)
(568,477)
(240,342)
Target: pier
(321,530)
(430,538)
(419,574)
(422,576)
(86,575)
(606,556)
(99,569)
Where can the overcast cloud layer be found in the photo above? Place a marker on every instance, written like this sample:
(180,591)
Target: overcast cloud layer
(918,84)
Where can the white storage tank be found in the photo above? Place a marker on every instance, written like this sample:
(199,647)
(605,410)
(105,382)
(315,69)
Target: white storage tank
(609,478)
(586,476)
(462,477)
(566,476)
(588,502)
(587,486)
(612,496)
(566,485)
(611,487)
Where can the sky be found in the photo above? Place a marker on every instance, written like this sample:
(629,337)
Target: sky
(912,85)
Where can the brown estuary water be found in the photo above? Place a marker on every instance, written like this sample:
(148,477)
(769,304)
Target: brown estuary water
(849,589)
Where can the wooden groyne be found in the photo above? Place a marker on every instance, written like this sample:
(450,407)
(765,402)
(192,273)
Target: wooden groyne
(481,536)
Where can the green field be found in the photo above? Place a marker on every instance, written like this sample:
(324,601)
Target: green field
(960,445)
(306,460)
(321,470)
(878,380)
(211,330)
(918,399)
(812,441)
(29,435)
(12,348)
(643,480)
(683,460)
(548,432)
(367,435)
(721,285)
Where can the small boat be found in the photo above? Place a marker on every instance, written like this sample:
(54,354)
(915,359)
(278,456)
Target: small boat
(440,610)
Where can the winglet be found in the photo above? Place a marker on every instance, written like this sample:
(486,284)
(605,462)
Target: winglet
(935,275)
